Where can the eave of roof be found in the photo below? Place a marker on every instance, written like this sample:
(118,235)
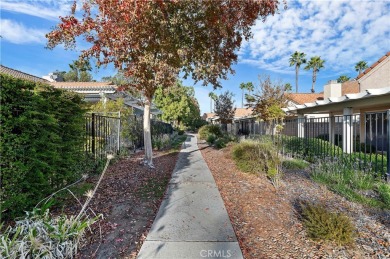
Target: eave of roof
(373,65)
(21,75)
(324,105)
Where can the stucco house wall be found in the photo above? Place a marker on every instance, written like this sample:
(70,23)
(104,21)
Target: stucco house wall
(377,77)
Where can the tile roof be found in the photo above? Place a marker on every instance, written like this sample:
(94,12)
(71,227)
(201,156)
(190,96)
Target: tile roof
(373,65)
(301,98)
(350,87)
(208,115)
(21,75)
(85,86)
(243,112)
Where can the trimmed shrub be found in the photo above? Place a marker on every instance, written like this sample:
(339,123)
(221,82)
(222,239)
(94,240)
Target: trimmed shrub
(321,224)
(206,130)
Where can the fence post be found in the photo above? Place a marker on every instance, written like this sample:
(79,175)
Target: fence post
(93,134)
(347,130)
(119,134)
(388,146)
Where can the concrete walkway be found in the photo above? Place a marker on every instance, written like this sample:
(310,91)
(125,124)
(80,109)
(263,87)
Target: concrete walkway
(192,221)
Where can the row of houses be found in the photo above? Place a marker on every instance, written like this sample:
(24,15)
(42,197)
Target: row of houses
(358,110)
(92,91)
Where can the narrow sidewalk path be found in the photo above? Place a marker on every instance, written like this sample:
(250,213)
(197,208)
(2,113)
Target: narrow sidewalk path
(192,221)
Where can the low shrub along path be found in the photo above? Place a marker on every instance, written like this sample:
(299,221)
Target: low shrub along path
(267,221)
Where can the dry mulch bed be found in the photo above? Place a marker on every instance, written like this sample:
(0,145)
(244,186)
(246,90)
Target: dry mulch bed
(128,204)
(266,220)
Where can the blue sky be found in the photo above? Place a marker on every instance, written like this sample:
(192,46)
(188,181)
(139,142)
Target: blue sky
(342,32)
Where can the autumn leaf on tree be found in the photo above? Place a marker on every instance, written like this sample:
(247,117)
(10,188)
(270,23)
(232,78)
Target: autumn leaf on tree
(152,41)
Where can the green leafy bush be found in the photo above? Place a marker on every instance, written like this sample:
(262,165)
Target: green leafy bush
(211,139)
(321,224)
(310,148)
(41,142)
(206,130)
(220,143)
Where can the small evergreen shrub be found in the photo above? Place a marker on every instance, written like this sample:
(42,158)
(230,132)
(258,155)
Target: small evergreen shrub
(211,139)
(206,130)
(220,143)
(321,224)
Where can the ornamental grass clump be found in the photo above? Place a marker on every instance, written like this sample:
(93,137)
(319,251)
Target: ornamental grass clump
(256,157)
(322,224)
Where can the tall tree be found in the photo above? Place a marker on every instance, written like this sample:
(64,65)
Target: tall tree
(315,63)
(297,59)
(122,81)
(152,41)
(269,99)
(224,107)
(361,66)
(79,72)
(178,104)
(246,86)
(343,78)
(213,97)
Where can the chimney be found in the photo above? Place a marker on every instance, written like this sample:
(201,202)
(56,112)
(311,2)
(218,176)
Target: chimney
(332,89)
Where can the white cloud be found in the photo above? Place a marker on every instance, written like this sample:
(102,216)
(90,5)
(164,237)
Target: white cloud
(19,34)
(49,10)
(342,32)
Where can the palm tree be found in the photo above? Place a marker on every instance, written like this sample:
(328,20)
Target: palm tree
(361,66)
(246,86)
(315,63)
(212,96)
(343,78)
(297,59)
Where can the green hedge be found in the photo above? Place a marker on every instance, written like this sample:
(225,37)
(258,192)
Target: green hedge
(310,148)
(206,130)
(41,142)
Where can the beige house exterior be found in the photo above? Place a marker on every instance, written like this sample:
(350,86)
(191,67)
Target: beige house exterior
(377,75)
(374,96)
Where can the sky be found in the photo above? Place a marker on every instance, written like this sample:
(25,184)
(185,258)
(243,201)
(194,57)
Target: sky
(341,32)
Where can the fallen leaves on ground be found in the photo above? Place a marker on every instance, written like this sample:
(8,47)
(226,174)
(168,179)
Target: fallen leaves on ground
(266,220)
(127,200)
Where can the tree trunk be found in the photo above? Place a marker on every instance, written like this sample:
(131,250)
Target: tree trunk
(314,81)
(148,160)
(296,78)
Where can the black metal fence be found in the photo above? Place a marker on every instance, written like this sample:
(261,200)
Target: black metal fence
(362,140)
(111,134)
(102,134)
